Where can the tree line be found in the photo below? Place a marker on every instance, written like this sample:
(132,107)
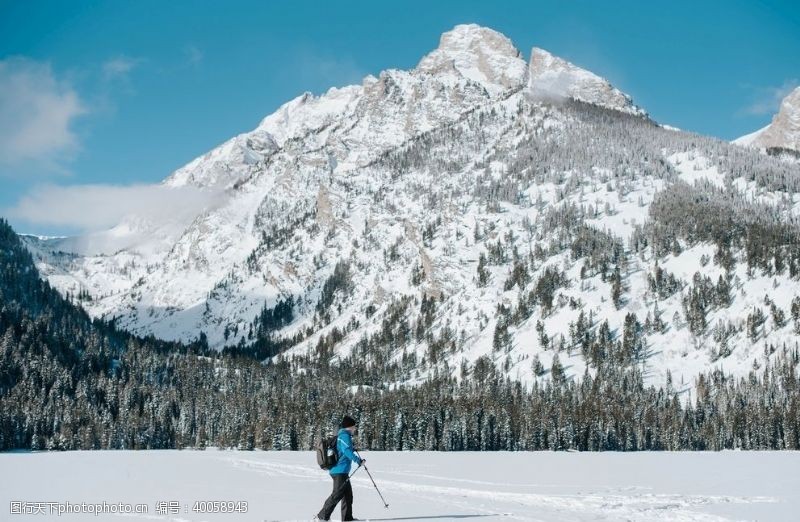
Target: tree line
(69,382)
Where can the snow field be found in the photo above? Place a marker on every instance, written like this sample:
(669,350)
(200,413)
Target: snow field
(417,485)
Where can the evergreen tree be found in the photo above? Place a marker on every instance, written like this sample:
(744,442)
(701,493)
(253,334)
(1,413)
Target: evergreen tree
(483,272)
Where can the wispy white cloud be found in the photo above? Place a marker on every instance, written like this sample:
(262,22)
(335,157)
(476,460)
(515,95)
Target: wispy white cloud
(37,114)
(319,71)
(194,56)
(115,78)
(339,71)
(767,100)
(97,207)
(119,67)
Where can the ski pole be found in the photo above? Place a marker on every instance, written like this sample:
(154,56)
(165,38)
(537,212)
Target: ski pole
(385,504)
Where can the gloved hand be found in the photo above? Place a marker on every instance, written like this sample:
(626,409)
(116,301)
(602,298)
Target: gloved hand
(361,462)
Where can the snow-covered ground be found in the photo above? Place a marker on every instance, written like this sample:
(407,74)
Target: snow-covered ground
(417,485)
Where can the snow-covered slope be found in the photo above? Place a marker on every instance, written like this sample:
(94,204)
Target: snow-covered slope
(473,206)
(492,486)
(783,132)
(550,76)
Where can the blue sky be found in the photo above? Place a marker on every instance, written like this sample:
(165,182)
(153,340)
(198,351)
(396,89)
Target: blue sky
(121,93)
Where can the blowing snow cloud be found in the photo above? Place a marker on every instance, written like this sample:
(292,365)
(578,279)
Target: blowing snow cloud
(97,207)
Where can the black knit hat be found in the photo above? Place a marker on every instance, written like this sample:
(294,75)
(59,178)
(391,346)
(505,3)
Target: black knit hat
(348,421)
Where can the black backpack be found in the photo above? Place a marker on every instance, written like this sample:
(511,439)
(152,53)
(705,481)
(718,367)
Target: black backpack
(327,454)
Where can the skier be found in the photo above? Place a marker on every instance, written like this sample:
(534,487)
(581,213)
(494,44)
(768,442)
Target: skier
(342,490)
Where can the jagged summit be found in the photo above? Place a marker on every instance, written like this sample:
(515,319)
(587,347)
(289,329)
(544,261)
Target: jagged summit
(783,132)
(551,76)
(480,54)
(491,59)
(472,65)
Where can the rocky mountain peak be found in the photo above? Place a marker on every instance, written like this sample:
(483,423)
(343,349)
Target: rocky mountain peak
(479,54)
(783,131)
(471,66)
(552,77)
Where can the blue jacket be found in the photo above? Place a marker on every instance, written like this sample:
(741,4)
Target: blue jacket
(344,445)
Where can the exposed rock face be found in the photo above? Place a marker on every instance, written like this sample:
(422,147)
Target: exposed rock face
(480,54)
(783,132)
(552,77)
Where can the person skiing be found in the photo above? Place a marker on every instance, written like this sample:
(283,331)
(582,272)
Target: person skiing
(342,490)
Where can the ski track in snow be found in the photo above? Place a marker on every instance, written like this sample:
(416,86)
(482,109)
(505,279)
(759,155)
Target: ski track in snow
(632,506)
(419,485)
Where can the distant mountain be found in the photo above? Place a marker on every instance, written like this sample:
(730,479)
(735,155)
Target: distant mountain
(477,206)
(783,132)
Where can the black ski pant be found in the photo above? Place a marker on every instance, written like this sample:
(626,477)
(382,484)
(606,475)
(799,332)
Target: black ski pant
(342,490)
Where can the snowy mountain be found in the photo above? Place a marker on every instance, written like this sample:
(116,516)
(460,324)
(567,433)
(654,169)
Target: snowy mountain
(550,76)
(475,207)
(783,132)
